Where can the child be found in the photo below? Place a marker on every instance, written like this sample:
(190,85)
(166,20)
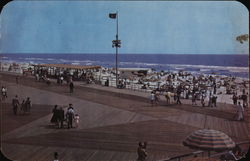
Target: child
(152,98)
(77,120)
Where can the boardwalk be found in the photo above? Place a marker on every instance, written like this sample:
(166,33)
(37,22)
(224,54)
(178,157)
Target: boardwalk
(111,124)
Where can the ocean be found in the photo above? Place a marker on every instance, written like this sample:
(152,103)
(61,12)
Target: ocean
(230,65)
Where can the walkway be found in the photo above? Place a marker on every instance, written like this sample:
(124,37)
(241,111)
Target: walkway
(111,124)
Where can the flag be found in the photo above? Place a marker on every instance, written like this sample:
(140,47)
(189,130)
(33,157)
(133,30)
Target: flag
(112,15)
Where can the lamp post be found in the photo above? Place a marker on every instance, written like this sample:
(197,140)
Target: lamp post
(116,43)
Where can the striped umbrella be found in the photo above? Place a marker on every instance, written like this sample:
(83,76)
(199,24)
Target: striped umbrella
(208,139)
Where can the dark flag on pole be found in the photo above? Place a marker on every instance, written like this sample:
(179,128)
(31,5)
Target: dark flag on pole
(112,15)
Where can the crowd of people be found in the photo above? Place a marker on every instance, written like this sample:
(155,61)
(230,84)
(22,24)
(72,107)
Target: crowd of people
(59,117)
(205,101)
(23,107)
(60,80)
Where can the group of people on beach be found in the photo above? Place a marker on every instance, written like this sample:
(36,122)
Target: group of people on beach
(59,117)
(24,107)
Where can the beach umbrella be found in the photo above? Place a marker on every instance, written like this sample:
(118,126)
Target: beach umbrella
(209,140)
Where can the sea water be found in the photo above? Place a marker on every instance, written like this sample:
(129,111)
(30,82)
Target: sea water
(230,65)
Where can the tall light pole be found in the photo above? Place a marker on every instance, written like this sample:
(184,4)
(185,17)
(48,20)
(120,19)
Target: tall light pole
(116,43)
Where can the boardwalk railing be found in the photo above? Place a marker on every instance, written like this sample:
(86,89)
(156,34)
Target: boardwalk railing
(131,86)
(180,157)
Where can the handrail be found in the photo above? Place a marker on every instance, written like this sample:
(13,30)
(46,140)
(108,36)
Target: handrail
(240,143)
(183,155)
(199,152)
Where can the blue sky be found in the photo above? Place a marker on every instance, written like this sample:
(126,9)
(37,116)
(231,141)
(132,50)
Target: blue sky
(144,27)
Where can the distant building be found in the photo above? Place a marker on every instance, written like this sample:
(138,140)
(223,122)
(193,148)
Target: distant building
(131,72)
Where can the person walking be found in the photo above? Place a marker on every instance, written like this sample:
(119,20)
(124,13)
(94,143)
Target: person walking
(56,156)
(235,99)
(203,100)
(152,98)
(15,104)
(28,104)
(4,92)
(71,87)
(168,96)
(23,106)
(178,95)
(17,79)
(61,80)
(210,100)
(61,117)
(70,116)
(244,99)
(77,120)
(214,100)
(240,114)
(157,97)
(194,99)
(55,116)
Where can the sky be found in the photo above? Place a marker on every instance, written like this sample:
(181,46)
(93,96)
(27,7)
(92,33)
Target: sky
(146,27)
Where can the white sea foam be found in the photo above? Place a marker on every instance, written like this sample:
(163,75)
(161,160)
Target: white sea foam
(34,59)
(183,66)
(50,59)
(75,63)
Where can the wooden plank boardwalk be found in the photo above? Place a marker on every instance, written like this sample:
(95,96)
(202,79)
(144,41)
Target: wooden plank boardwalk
(110,126)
